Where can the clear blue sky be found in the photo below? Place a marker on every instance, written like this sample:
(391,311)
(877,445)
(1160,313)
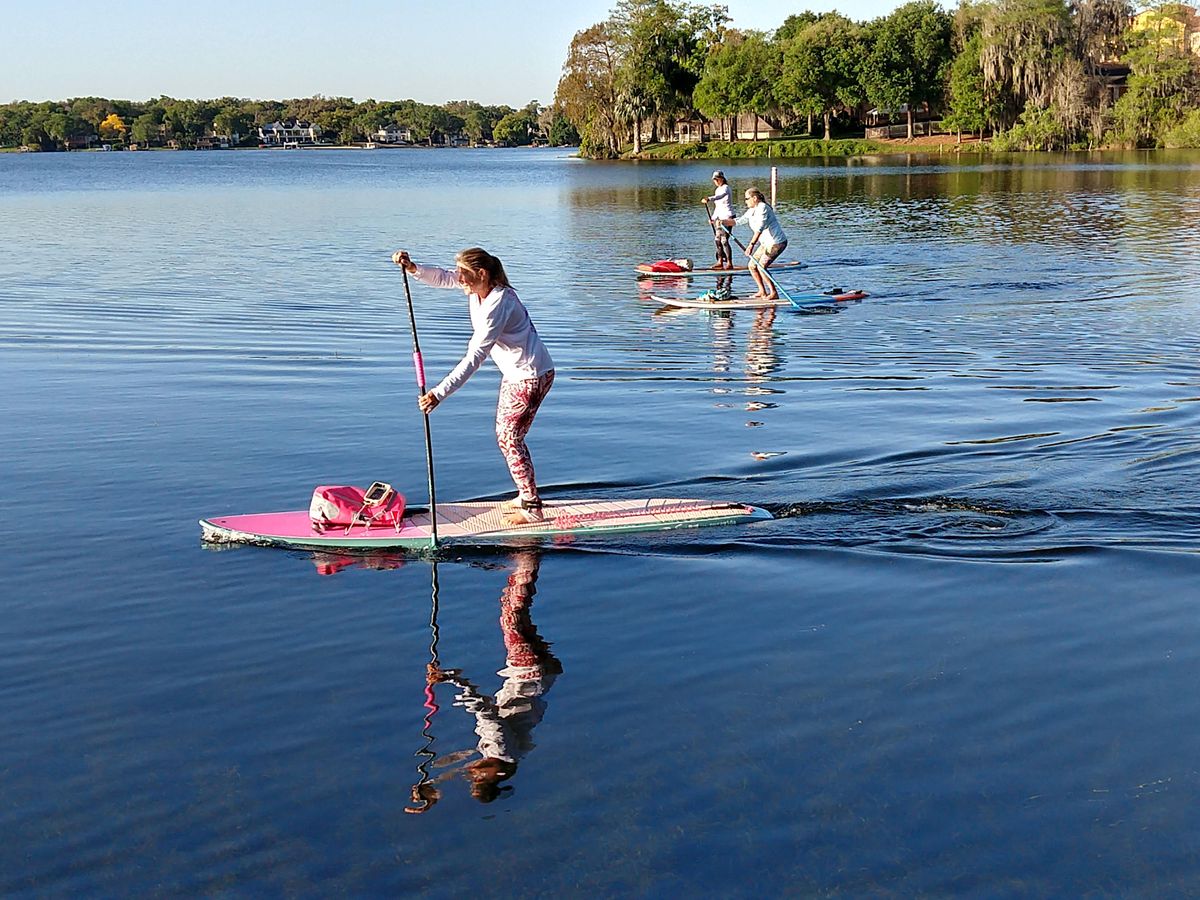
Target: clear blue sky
(486,50)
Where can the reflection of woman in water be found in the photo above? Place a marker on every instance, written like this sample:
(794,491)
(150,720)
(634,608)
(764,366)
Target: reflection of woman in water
(505,722)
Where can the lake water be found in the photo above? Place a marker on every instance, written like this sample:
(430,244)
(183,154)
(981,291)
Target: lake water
(962,660)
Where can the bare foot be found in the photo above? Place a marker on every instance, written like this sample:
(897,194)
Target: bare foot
(771,297)
(519,516)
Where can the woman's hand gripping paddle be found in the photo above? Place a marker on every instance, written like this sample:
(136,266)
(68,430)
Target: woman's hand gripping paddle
(419,365)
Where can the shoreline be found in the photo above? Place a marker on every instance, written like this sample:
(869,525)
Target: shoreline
(807,148)
(260,148)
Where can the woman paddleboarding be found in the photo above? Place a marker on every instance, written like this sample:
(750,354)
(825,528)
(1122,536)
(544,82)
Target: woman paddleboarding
(503,330)
(768,237)
(721,218)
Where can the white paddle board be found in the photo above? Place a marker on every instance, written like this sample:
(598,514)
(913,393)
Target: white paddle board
(806,298)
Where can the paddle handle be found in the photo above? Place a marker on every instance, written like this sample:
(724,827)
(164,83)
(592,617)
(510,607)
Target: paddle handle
(419,365)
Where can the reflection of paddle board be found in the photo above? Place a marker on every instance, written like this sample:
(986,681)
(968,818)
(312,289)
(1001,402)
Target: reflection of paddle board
(807,298)
(480,522)
(644,269)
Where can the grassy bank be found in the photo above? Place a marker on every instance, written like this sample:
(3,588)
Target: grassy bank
(792,148)
(782,149)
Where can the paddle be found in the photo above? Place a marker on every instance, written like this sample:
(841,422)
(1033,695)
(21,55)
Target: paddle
(711,223)
(419,365)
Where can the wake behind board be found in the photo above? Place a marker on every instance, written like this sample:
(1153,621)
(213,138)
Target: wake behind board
(479,523)
(644,269)
(808,298)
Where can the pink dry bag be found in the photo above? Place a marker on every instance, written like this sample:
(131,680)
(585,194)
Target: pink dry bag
(345,504)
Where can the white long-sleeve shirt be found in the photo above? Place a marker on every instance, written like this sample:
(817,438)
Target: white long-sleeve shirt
(761,218)
(722,203)
(502,329)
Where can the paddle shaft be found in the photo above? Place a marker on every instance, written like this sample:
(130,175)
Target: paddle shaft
(419,365)
(711,223)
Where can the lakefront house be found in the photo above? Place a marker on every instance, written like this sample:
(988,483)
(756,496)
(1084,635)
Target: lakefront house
(749,127)
(277,134)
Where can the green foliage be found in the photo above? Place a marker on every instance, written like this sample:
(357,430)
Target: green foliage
(157,122)
(1024,44)
(1037,65)
(561,133)
(478,120)
(820,68)
(1186,133)
(587,91)
(739,76)
(781,149)
(1164,86)
(517,129)
(660,48)
(1037,129)
(794,24)
(968,107)
(231,121)
(144,130)
(908,58)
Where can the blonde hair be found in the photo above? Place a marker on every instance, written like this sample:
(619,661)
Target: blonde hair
(478,261)
(757,194)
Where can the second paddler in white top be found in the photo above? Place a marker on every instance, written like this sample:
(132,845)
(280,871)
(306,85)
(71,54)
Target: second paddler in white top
(721,218)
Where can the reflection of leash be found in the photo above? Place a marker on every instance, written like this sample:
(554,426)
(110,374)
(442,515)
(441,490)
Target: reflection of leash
(424,794)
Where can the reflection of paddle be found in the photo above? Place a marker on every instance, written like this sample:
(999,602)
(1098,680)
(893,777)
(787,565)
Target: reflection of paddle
(424,793)
(419,365)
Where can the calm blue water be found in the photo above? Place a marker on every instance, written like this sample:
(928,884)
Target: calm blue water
(963,660)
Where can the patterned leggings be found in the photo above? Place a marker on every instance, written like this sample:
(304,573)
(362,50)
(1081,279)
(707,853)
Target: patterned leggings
(518,404)
(721,239)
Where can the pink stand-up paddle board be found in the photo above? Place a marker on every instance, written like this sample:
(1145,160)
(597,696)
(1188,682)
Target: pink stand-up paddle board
(480,523)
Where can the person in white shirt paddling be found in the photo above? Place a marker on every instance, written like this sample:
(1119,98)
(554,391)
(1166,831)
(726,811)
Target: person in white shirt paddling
(502,330)
(768,238)
(722,218)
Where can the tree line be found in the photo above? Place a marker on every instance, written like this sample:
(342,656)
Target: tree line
(56,125)
(1034,74)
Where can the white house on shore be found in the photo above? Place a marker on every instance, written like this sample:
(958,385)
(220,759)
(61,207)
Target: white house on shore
(278,134)
(393,134)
